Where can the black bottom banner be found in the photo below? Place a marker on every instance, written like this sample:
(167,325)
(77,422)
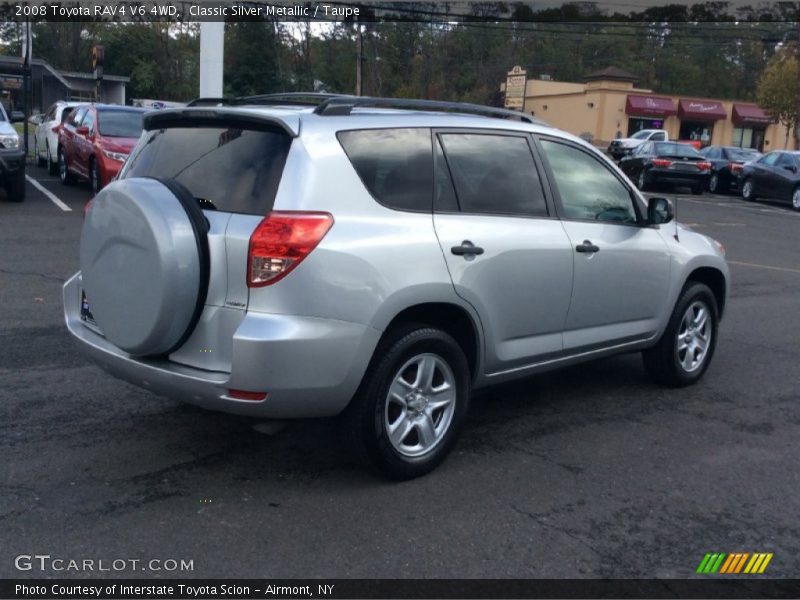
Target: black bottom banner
(246,589)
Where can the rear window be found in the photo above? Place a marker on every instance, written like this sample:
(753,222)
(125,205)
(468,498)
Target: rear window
(225,168)
(677,150)
(396,165)
(120,123)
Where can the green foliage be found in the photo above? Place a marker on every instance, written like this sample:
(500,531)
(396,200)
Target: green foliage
(778,93)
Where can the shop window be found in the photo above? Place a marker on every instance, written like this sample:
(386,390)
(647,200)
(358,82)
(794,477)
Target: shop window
(696,131)
(749,137)
(637,124)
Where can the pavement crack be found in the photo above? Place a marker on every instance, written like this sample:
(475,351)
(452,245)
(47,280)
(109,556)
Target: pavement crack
(539,519)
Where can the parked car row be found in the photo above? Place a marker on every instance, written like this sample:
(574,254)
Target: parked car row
(12,159)
(86,141)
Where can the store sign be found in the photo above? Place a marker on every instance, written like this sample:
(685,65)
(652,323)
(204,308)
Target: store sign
(515,87)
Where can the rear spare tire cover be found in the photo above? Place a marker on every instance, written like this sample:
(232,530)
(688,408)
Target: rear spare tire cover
(144,261)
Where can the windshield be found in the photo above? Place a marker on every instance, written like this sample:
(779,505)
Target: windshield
(743,154)
(120,123)
(677,150)
(2,114)
(640,135)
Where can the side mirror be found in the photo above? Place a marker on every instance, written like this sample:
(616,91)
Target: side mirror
(36,119)
(82,130)
(790,168)
(659,211)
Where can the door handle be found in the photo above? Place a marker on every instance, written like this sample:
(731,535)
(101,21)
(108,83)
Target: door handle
(587,247)
(466,248)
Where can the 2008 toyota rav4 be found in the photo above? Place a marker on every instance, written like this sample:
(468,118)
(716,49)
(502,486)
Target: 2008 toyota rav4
(301,256)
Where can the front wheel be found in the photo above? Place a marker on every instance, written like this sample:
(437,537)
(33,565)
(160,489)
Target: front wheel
(52,165)
(713,183)
(411,405)
(94,177)
(796,198)
(15,188)
(41,162)
(687,345)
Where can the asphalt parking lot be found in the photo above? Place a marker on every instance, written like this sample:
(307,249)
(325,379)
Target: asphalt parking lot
(588,472)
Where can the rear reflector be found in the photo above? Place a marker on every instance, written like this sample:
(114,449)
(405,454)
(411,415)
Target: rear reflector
(243,395)
(281,241)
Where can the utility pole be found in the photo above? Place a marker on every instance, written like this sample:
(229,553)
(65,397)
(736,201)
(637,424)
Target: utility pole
(359,61)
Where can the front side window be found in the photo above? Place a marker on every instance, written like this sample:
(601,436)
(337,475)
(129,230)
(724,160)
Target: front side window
(75,119)
(226,168)
(88,121)
(588,189)
(494,174)
(659,137)
(395,165)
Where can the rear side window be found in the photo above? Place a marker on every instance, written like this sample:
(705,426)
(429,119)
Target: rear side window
(225,168)
(120,123)
(395,165)
(494,174)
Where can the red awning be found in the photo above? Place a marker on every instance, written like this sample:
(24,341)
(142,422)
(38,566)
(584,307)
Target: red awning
(656,106)
(749,114)
(702,110)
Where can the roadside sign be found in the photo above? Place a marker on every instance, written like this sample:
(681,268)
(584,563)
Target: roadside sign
(515,87)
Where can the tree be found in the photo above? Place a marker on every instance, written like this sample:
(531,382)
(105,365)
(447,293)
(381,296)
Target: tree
(777,91)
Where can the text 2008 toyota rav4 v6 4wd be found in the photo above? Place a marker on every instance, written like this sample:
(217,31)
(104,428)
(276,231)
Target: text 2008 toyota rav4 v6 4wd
(301,256)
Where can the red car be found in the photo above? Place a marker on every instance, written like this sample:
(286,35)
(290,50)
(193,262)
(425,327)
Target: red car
(95,141)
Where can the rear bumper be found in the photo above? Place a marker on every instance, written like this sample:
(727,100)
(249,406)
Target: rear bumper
(677,177)
(12,162)
(309,367)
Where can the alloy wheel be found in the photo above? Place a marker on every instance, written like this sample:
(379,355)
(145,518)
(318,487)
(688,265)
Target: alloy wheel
(641,183)
(62,166)
(694,337)
(747,190)
(420,405)
(713,183)
(796,199)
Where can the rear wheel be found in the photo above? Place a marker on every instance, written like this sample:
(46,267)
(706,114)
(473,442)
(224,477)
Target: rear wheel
(15,187)
(41,162)
(641,181)
(685,349)
(410,407)
(52,165)
(748,190)
(66,177)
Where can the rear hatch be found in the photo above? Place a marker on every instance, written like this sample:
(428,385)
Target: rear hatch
(231,162)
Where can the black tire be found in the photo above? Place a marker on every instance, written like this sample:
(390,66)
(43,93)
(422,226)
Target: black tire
(663,361)
(52,165)
(366,419)
(40,162)
(15,187)
(748,190)
(796,198)
(94,177)
(641,180)
(714,183)
(66,177)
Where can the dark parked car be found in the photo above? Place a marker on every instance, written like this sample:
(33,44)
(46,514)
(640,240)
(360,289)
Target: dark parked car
(774,176)
(726,165)
(667,162)
(95,140)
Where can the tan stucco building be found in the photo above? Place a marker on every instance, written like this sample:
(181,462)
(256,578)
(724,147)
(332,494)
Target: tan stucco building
(608,105)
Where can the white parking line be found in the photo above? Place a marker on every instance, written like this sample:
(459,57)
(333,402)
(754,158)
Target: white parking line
(757,266)
(55,199)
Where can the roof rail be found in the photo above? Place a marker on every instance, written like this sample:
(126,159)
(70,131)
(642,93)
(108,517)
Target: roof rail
(344,105)
(301,98)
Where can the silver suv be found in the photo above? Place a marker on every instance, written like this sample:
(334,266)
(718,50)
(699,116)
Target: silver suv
(306,256)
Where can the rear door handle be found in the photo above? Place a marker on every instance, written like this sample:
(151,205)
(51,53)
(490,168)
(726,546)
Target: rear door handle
(466,248)
(587,247)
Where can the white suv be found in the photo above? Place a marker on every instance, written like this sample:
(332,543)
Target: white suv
(310,255)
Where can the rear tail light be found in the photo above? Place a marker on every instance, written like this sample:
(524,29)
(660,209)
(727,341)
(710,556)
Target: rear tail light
(735,167)
(661,162)
(281,241)
(704,166)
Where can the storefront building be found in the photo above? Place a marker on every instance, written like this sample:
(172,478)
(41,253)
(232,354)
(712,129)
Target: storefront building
(607,105)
